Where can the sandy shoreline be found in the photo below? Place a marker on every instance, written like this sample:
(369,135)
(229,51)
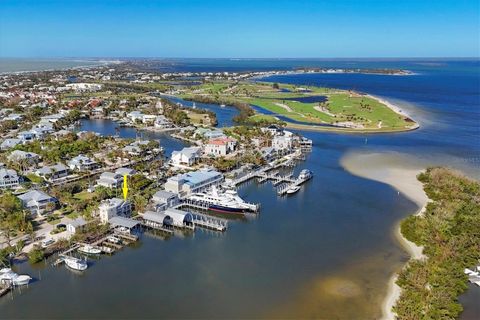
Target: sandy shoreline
(401,174)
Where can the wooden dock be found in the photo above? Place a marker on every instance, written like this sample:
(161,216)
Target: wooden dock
(4,289)
(209,222)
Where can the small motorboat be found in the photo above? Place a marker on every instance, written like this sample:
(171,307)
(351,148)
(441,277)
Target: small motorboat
(88,249)
(113,239)
(222,106)
(75,263)
(293,189)
(7,276)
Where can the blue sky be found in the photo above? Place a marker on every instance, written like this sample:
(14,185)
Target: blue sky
(180,28)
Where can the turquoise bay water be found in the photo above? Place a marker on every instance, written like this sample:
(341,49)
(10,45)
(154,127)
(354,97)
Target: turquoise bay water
(325,252)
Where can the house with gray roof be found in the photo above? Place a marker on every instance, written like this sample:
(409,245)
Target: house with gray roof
(9,179)
(186,156)
(53,173)
(10,143)
(82,163)
(19,155)
(38,202)
(110,180)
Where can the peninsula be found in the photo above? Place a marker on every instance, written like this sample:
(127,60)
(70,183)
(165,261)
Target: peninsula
(307,107)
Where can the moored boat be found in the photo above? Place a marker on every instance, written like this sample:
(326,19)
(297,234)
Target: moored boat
(7,276)
(226,201)
(75,263)
(88,249)
(305,174)
(293,189)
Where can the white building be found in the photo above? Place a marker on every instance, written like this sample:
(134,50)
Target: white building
(84,87)
(220,146)
(76,225)
(282,143)
(53,173)
(187,156)
(164,199)
(110,180)
(191,182)
(38,202)
(82,163)
(162,123)
(179,218)
(9,179)
(114,207)
(19,155)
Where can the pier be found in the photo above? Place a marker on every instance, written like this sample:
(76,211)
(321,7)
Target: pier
(209,222)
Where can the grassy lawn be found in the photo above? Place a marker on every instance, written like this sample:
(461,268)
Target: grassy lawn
(34,178)
(262,117)
(84,196)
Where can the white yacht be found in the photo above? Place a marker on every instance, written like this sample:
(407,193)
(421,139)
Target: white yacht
(113,239)
(75,263)
(293,189)
(305,174)
(88,249)
(226,201)
(7,276)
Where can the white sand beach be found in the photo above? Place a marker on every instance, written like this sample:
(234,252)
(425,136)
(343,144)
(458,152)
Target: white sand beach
(401,173)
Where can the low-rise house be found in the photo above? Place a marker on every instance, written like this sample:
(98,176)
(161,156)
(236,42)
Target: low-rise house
(149,119)
(187,156)
(76,225)
(164,199)
(26,136)
(53,173)
(220,146)
(110,180)
(38,202)
(82,163)
(125,171)
(13,117)
(9,179)
(162,122)
(191,182)
(209,133)
(282,143)
(135,116)
(114,207)
(136,148)
(10,143)
(19,155)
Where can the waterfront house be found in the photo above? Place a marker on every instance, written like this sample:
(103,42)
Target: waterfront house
(135,116)
(220,146)
(53,173)
(9,143)
(149,119)
(38,202)
(187,156)
(19,155)
(165,199)
(282,143)
(110,180)
(76,225)
(136,148)
(82,163)
(113,208)
(191,182)
(162,122)
(9,179)
(209,133)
